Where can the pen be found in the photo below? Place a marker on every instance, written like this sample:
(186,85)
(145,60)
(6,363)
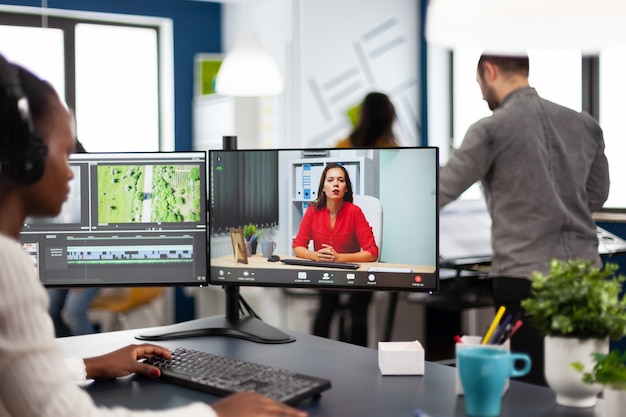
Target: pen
(420,413)
(493,325)
(509,328)
(501,330)
(505,335)
(516,326)
(252,238)
(458,339)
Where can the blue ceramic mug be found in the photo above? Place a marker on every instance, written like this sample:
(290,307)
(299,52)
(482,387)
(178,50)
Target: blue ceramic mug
(483,372)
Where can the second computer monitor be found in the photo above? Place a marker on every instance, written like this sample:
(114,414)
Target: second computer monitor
(131,219)
(395,188)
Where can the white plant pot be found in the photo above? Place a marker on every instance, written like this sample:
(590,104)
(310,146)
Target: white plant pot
(567,383)
(614,402)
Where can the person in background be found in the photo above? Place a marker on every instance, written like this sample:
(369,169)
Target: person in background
(543,172)
(340,233)
(69,310)
(374,128)
(69,307)
(37,129)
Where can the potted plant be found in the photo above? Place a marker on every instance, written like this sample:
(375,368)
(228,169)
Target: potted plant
(578,308)
(251,234)
(610,371)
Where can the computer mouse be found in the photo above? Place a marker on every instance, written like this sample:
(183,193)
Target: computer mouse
(273,258)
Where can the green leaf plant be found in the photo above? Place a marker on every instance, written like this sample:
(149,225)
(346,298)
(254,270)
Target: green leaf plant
(250,229)
(608,370)
(577,299)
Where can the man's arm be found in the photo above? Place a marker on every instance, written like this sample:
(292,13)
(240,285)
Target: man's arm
(598,180)
(466,165)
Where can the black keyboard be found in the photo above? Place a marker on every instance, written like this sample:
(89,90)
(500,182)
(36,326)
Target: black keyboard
(222,376)
(308,262)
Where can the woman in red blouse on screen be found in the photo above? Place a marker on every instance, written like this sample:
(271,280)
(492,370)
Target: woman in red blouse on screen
(340,233)
(339,229)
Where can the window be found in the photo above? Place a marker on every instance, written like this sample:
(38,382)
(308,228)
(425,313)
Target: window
(114,71)
(557,76)
(244,189)
(117,88)
(38,49)
(612,93)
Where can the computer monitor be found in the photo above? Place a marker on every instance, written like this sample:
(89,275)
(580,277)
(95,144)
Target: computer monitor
(271,189)
(131,219)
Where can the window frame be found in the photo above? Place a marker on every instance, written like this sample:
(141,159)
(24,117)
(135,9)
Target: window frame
(66,20)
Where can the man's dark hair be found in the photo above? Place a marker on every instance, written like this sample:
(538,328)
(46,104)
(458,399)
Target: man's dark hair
(507,64)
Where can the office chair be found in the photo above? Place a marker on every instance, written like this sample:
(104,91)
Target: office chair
(121,304)
(373,211)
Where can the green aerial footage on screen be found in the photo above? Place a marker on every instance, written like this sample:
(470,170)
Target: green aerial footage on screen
(148,194)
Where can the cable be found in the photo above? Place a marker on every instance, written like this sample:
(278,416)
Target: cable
(249,310)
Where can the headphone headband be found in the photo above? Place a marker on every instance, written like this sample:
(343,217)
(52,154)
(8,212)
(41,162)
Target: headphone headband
(22,149)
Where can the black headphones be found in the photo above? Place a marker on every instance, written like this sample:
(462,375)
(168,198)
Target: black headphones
(22,149)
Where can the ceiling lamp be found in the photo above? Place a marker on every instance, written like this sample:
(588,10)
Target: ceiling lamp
(515,26)
(248,70)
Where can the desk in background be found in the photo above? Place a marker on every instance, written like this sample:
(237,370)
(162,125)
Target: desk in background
(358,387)
(465,236)
(258,261)
(465,258)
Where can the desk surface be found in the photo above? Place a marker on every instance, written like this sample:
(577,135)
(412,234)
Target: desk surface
(258,261)
(358,387)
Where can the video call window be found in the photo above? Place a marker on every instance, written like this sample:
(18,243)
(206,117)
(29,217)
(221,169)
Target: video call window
(402,181)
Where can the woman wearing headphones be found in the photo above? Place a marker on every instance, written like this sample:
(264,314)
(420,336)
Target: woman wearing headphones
(36,139)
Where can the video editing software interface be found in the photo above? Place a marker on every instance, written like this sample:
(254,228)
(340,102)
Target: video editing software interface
(131,219)
(272,189)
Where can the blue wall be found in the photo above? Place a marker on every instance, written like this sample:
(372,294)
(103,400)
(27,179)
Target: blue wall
(197,28)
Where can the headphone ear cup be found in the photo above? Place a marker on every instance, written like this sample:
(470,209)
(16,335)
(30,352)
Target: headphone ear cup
(23,150)
(27,163)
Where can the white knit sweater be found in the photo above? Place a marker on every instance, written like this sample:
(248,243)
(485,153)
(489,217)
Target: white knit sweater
(34,379)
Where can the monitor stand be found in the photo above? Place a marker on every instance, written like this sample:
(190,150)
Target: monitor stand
(247,327)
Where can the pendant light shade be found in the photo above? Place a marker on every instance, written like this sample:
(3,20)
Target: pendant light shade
(515,26)
(248,70)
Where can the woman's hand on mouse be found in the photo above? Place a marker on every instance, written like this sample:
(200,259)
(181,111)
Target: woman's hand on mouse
(125,361)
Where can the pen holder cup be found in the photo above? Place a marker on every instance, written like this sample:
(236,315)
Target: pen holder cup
(468,341)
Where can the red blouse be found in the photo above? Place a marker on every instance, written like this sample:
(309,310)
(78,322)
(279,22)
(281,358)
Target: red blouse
(351,233)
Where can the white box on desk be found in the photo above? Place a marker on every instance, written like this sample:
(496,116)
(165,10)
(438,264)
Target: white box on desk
(401,358)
